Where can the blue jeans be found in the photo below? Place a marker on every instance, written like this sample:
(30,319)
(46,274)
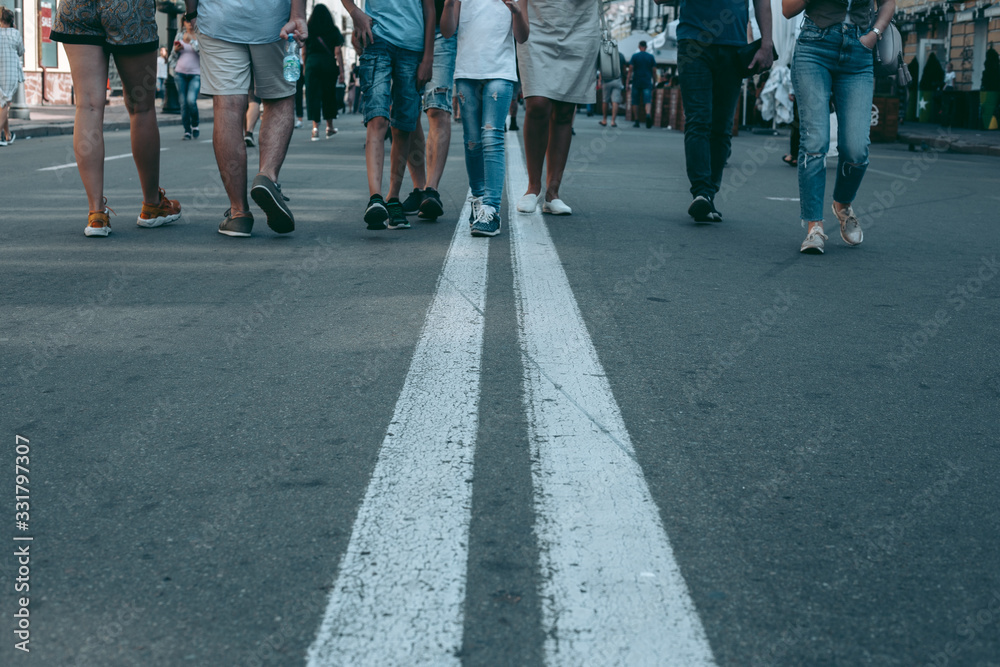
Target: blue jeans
(389,84)
(437,92)
(188,87)
(484,107)
(831,59)
(710,88)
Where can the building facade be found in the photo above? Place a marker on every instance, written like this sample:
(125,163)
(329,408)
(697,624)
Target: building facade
(958,31)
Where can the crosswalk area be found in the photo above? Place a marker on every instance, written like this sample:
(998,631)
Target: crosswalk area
(611,590)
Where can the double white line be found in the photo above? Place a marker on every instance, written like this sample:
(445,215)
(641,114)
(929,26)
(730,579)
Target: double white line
(612,592)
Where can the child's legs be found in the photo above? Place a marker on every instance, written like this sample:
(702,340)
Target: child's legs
(496,100)
(375,75)
(404,114)
(89,67)
(470,97)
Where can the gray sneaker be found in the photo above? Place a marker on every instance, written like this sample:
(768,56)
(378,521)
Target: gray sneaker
(814,241)
(267,194)
(238,226)
(850,227)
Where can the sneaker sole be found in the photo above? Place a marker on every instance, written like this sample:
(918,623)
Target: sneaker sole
(96,231)
(279,218)
(375,218)
(480,232)
(402,225)
(811,251)
(430,209)
(158,222)
(227,232)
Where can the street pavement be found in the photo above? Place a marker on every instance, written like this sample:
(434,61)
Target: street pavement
(616,437)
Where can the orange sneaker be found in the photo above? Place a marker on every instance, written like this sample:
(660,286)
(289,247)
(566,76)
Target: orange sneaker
(98,223)
(163,213)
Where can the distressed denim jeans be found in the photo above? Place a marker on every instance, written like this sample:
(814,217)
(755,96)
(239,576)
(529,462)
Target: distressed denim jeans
(484,107)
(832,60)
(188,87)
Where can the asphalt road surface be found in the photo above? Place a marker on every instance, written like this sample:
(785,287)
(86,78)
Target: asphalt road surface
(613,438)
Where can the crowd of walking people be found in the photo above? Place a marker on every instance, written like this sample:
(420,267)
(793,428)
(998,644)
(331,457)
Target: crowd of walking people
(414,58)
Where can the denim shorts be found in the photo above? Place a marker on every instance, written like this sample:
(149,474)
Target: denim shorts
(437,93)
(389,84)
(641,95)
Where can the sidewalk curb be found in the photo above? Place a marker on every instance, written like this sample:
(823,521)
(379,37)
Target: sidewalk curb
(950,146)
(57,129)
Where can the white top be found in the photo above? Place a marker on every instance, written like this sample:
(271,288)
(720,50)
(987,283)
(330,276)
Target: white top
(485,41)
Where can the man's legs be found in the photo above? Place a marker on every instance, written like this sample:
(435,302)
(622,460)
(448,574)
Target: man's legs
(275,132)
(416,157)
(230,149)
(726,84)
(696,91)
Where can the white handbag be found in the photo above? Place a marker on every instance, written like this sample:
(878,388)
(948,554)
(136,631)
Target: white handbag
(610,63)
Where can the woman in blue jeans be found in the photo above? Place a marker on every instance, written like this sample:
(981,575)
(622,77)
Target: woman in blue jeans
(187,77)
(485,75)
(833,54)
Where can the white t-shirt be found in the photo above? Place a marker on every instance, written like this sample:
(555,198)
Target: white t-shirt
(485,41)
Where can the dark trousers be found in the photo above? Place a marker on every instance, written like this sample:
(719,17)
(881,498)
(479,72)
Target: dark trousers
(710,88)
(321,87)
(298,95)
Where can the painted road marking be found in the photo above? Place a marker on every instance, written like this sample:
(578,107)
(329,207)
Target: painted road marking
(400,590)
(782,198)
(107,159)
(611,590)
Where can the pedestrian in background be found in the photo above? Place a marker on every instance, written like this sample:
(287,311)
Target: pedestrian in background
(187,77)
(11,74)
(711,77)
(324,68)
(833,53)
(557,73)
(642,69)
(427,158)
(396,41)
(161,71)
(612,92)
(90,39)
(485,75)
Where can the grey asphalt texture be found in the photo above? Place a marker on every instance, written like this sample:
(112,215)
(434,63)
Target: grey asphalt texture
(819,432)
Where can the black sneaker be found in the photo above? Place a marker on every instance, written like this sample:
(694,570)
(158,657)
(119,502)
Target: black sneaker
(635,124)
(248,138)
(701,209)
(513,126)
(714,215)
(195,132)
(431,208)
(649,122)
(376,213)
(267,194)
(412,203)
(239,226)
(397,219)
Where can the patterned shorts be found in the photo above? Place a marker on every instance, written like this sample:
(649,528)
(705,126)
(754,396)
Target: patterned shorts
(120,26)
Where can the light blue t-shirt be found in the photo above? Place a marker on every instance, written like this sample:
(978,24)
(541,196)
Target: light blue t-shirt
(244,21)
(399,22)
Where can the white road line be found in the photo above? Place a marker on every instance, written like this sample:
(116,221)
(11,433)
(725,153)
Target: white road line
(400,590)
(612,592)
(107,159)
(782,198)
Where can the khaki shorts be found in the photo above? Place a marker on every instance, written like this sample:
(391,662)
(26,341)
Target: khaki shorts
(228,68)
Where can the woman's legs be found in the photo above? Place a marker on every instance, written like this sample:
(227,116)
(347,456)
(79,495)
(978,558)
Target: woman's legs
(853,92)
(813,80)
(183,81)
(138,72)
(470,96)
(537,113)
(4,122)
(194,89)
(560,136)
(89,67)
(496,102)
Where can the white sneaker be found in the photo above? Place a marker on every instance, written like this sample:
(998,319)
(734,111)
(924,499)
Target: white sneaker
(556,207)
(850,227)
(298,123)
(814,241)
(527,204)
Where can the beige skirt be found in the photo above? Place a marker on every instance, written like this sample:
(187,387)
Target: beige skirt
(559,60)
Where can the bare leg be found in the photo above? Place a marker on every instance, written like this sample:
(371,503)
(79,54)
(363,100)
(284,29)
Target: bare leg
(614,113)
(560,137)
(253,114)
(537,111)
(138,74)
(397,160)
(230,150)
(416,156)
(4,124)
(438,141)
(89,67)
(275,133)
(375,152)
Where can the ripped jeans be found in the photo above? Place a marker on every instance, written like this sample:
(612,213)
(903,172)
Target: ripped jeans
(484,105)
(825,60)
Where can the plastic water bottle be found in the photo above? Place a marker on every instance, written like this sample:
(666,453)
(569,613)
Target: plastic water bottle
(292,64)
